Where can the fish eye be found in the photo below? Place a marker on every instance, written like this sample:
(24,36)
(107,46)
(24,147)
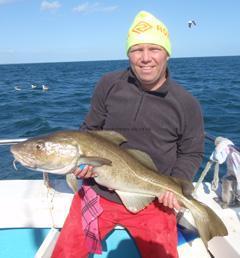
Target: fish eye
(39,146)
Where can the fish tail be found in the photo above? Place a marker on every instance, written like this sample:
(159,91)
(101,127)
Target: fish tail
(207,222)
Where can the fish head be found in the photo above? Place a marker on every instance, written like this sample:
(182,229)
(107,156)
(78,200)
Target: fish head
(52,154)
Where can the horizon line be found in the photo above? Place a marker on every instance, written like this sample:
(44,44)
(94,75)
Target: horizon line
(109,60)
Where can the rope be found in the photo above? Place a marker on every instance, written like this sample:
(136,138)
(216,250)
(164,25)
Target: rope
(203,174)
(215,180)
(51,193)
(218,156)
(50,197)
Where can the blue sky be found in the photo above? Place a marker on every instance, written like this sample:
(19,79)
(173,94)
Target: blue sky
(79,30)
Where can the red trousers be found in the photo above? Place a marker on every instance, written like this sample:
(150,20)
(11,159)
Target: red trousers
(153,229)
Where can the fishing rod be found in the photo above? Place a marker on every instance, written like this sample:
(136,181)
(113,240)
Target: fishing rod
(209,137)
(11,141)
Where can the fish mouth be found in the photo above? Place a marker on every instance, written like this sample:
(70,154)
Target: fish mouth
(25,161)
(29,163)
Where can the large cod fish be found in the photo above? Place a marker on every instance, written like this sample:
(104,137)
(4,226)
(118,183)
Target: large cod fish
(130,173)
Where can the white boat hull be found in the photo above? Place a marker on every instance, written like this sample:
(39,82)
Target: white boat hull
(28,206)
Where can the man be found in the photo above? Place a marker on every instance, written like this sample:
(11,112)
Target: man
(156,116)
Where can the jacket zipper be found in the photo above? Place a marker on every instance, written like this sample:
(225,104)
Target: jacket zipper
(139,106)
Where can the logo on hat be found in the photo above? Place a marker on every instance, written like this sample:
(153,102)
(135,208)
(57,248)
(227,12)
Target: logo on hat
(162,30)
(141,27)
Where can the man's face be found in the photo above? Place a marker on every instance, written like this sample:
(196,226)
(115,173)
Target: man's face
(149,62)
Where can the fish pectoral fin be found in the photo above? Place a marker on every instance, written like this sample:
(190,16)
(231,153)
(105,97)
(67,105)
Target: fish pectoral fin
(94,161)
(72,182)
(111,136)
(135,202)
(143,158)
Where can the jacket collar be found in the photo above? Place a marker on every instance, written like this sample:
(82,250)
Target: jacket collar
(161,91)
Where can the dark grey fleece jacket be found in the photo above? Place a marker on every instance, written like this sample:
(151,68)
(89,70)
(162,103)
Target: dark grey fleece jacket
(167,123)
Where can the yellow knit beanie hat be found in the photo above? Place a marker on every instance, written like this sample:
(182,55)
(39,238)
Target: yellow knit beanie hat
(148,29)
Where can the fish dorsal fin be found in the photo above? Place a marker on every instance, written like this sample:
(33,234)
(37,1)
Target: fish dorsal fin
(135,202)
(111,136)
(186,186)
(143,158)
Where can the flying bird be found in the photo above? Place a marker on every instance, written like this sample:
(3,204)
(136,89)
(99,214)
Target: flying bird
(191,23)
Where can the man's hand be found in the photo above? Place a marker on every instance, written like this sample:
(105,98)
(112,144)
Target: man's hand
(169,200)
(84,172)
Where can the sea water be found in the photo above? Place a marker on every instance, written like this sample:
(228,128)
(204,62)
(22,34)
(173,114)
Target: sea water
(27,111)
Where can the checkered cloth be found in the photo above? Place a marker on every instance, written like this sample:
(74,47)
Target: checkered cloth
(91,210)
